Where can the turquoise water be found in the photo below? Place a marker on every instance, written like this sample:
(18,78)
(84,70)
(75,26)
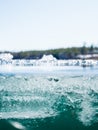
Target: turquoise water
(49,99)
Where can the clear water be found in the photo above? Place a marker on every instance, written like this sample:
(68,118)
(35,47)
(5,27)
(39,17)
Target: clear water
(50,98)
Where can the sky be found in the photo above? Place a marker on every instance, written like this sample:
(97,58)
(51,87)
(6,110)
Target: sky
(47,24)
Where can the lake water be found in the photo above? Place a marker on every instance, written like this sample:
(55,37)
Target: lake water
(57,98)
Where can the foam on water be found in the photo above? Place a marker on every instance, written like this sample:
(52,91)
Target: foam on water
(40,96)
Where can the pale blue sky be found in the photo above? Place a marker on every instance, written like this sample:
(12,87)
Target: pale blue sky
(45,24)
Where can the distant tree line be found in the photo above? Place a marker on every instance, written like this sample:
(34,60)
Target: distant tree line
(61,53)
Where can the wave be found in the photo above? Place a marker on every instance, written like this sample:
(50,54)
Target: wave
(50,100)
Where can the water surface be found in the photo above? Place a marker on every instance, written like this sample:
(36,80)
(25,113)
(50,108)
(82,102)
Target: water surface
(50,98)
